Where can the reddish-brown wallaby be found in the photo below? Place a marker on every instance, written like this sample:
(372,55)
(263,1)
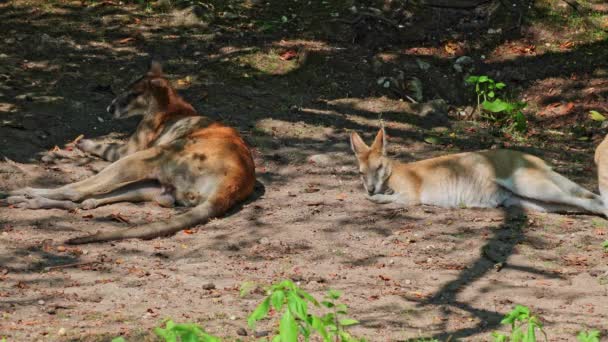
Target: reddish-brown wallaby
(175,155)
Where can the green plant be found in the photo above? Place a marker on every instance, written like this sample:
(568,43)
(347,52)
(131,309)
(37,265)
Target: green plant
(491,107)
(518,318)
(296,320)
(117,339)
(588,336)
(605,246)
(184,332)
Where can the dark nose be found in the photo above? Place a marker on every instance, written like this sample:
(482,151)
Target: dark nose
(370,191)
(111,108)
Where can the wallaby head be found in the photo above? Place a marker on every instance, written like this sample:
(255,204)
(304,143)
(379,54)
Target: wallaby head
(374,166)
(149,93)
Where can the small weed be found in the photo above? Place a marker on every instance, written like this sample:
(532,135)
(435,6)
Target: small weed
(605,246)
(491,107)
(293,302)
(519,318)
(184,332)
(588,336)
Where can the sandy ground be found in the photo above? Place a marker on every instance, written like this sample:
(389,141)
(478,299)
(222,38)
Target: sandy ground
(405,272)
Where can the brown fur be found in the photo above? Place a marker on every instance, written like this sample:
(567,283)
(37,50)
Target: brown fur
(174,156)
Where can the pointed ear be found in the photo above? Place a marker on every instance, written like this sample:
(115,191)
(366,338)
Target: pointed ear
(155,69)
(357,144)
(380,142)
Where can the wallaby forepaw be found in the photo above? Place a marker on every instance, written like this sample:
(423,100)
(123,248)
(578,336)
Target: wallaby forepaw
(86,145)
(88,204)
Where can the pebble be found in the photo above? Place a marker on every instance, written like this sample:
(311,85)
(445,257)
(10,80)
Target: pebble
(41,302)
(241,331)
(261,333)
(209,286)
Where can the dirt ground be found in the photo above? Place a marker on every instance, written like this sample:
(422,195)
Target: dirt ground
(406,273)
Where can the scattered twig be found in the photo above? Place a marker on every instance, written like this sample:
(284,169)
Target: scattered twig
(76,264)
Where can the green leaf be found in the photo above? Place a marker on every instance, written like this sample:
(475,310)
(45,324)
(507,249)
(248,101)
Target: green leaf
(327,304)
(595,115)
(491,94)
(288,328)
(497,106)
(348,321)
(483,79)
(472,79)
(588,336)
(117,339)
(296,305)
(499,337)
(520,312)
(432,140)
(334,294)
(277,299)
(500,85)
(307,296)
(319,326)
(605,245)
(260,312)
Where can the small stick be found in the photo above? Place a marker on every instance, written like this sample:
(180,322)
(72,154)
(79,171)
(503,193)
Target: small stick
(76,264)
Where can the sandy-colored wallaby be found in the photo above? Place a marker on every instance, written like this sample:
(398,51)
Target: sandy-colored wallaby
(484,179)
(175,155)
(601,160)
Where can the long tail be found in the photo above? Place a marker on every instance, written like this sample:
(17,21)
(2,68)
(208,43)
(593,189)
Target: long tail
(196,215)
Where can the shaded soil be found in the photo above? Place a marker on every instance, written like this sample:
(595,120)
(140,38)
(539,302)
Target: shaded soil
(405,272)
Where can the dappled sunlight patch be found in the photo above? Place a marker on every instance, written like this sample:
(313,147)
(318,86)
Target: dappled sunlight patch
(271,62)
(295,130)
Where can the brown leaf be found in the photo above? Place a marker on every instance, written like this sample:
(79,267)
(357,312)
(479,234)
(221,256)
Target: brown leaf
(287,55)
(126,40)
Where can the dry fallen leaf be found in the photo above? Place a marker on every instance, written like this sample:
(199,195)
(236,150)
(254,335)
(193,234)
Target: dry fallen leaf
(566,45)
(287,55)
(126,40)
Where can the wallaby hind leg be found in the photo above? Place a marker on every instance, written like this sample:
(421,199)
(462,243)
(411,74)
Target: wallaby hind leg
(139,166)
(551,187)
(137,192)
(543,207)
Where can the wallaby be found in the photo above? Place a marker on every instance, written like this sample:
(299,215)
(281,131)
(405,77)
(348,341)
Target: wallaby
(175,155)
(484,179)
(601,160)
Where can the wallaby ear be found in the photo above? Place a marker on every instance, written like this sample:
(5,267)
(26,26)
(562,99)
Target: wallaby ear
(380,142)
(156,69)
(357,144)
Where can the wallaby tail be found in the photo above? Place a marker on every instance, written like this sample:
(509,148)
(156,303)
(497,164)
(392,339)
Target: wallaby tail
(196,215)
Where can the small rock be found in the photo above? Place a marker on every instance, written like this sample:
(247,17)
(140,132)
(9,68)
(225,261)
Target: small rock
(408,282)
(230,15)
(463,64)
(261,333)
(264,241)
(233,318)
(9,41)
(494,31)
(192,16)
(321,160)
(100,119)
(61,332)
(241,331)
(209,286)
(41,302)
